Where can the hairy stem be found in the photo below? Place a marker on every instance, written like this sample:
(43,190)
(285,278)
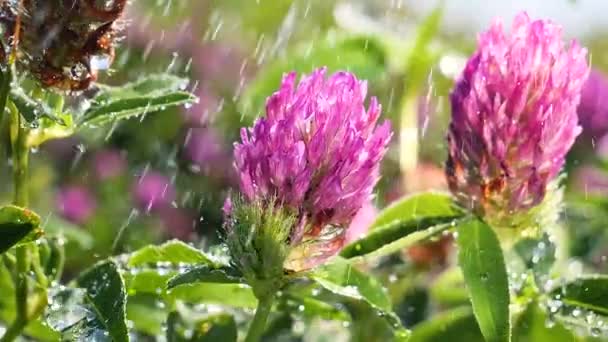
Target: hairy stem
(256,329)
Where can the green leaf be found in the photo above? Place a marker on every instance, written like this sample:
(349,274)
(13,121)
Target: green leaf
(456,325)
(31,109)
(405,223)
(237,295)
(358,55)
(152,266)
(416,207)
(41,332)
(483,266)
(37,329)
(391,239)
(536,254)
(18,226)
(587,292)
(218,327)
(148,314)
(311,308)
(341,278)
(206,274)
(157,84)
(52,257)
(72,233)
(532,326)
(105,292)
(150,94)
(173,252)
(148,280)
(448,288)
(123,109)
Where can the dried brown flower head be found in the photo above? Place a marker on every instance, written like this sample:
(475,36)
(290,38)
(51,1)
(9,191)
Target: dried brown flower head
(62,43)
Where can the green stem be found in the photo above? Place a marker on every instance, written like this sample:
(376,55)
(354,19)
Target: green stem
(256,329)
(20,155)
(20,160)
(5,82)
(21,294)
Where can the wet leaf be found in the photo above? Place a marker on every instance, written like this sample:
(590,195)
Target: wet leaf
(393,238)
(152,266)
(72,316)
(106,294)
(52,257)
(50,130)
(215,328)
(18,226)
(157,84)
(237,295)
(147,313)
(219,327)
(148,280)
(38,329)
(310,308)
(172,252)
(127,108)
(456,325)
(341,278)
(537,254)
(417,206)
(405,223)
(206,274)
(151,94)
(483,266)
(587,292)
(31,109)
(532,326)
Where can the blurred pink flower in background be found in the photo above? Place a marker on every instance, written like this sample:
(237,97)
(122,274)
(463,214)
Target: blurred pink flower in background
(225,65)
(203,148)
(64,150)
(601,147)
(76,203)
(202,112)
(593,108)
(178,223)
(590,180)
(109,164)
(216,67)
(153,191)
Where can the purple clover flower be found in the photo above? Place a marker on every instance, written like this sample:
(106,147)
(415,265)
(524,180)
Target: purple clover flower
(361,223)
(514,116)
(76,203)
(153,191)
(318,152)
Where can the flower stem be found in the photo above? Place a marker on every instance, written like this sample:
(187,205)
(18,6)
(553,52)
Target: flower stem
(20,160)
(20,155)
(256,329)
